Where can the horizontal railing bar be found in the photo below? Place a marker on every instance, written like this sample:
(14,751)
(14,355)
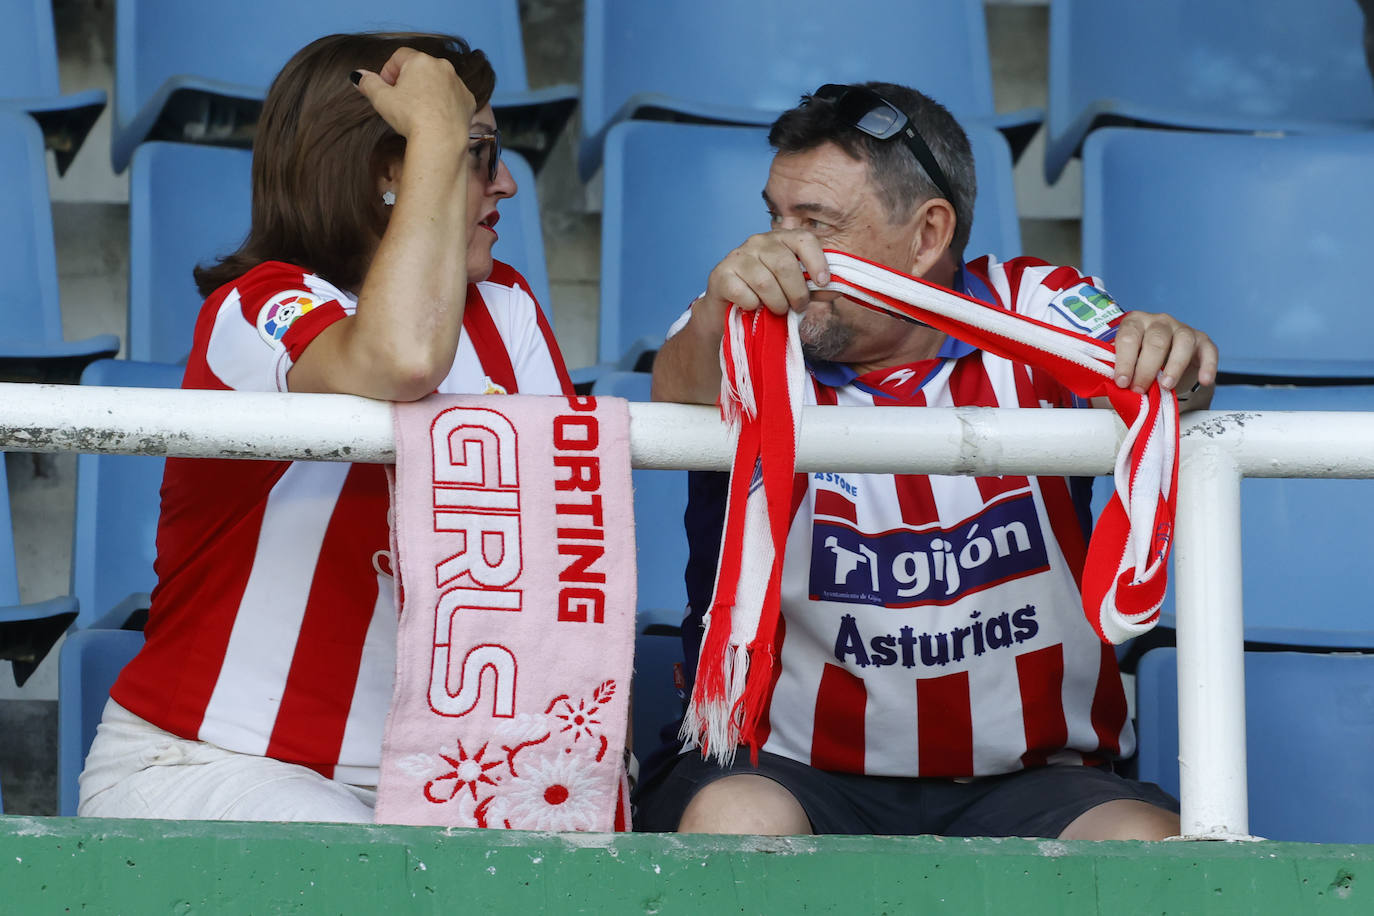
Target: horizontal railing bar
(967,440)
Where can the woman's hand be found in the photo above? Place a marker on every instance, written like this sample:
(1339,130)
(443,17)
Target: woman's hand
(400,342)
(415,92)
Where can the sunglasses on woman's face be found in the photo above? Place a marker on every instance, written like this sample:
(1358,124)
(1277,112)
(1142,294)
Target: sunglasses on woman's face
(486,151)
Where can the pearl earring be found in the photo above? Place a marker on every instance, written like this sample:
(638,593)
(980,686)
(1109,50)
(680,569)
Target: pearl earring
(389,198)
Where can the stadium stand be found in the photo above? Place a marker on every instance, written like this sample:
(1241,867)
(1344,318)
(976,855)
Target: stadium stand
(28,46)
(117,505)
(89,662)
(745,63)
(679,197)
(1259,240)
(1309,739)
(1237,65)
(210,110)
(32,347)
(198,72)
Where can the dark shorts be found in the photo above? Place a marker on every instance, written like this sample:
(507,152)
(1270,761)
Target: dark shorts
(1039,802)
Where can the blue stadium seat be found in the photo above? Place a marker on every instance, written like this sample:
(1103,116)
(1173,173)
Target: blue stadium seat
(1298,546)
(198,72)
(727,62)
(28,46)
(31,344)
(679,197)
(117,506)
(89,663)
(1260,241)
(27,631)
(1309,739)
(1243,65)
(188,205)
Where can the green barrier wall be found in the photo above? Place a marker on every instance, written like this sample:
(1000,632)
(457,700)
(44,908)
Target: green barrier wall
(55,865)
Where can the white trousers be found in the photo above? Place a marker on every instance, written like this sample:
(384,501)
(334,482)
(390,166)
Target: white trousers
(135,769)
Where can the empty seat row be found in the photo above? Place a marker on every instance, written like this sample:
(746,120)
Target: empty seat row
(170,86)
(1227,65)
(155,97)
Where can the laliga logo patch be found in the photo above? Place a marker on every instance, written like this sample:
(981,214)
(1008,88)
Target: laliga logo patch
(281,311)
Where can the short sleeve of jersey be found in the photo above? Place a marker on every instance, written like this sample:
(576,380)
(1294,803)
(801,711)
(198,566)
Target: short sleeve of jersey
(1060,296)
(265,320)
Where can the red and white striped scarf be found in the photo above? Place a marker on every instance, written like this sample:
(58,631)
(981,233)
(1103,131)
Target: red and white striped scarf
(761,394)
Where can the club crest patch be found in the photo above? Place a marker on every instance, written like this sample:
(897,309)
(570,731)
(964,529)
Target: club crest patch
(282,310)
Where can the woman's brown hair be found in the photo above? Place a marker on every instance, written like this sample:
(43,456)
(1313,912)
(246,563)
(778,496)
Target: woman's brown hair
(319,148)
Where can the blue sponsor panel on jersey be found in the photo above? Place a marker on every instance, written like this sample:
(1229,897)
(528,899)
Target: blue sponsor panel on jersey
(938,566)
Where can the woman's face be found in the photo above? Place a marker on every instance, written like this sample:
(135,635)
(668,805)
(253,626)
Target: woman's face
(484,192)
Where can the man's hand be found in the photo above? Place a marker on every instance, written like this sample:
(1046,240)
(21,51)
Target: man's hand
(1184,358)
(765,272)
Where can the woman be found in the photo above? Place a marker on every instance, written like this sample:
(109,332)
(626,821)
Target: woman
(262,690)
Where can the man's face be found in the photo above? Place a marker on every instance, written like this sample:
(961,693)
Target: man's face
(829,194)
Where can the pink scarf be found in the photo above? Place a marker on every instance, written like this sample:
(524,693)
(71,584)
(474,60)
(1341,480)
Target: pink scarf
(514,540)
(762,373)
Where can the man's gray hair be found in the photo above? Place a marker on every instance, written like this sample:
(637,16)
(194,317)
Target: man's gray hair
(902,183)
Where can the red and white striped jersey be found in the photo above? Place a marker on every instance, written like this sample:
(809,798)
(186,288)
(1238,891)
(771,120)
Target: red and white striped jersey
(273,625)
(932,625)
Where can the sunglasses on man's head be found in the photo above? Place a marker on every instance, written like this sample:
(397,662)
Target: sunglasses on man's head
(868,112)
(488,153)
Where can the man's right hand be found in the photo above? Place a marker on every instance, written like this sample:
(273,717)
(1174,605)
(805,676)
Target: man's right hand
(767,272)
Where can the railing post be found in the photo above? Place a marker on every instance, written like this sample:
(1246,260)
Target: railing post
(1211,643)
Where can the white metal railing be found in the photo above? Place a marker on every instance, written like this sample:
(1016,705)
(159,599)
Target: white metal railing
(1218,449)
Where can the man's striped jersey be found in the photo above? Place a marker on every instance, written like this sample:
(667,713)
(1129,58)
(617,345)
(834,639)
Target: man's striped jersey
(932,625)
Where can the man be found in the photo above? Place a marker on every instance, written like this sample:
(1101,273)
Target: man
(936,671)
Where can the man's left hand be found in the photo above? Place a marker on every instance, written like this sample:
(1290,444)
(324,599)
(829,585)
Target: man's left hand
(1150,345)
